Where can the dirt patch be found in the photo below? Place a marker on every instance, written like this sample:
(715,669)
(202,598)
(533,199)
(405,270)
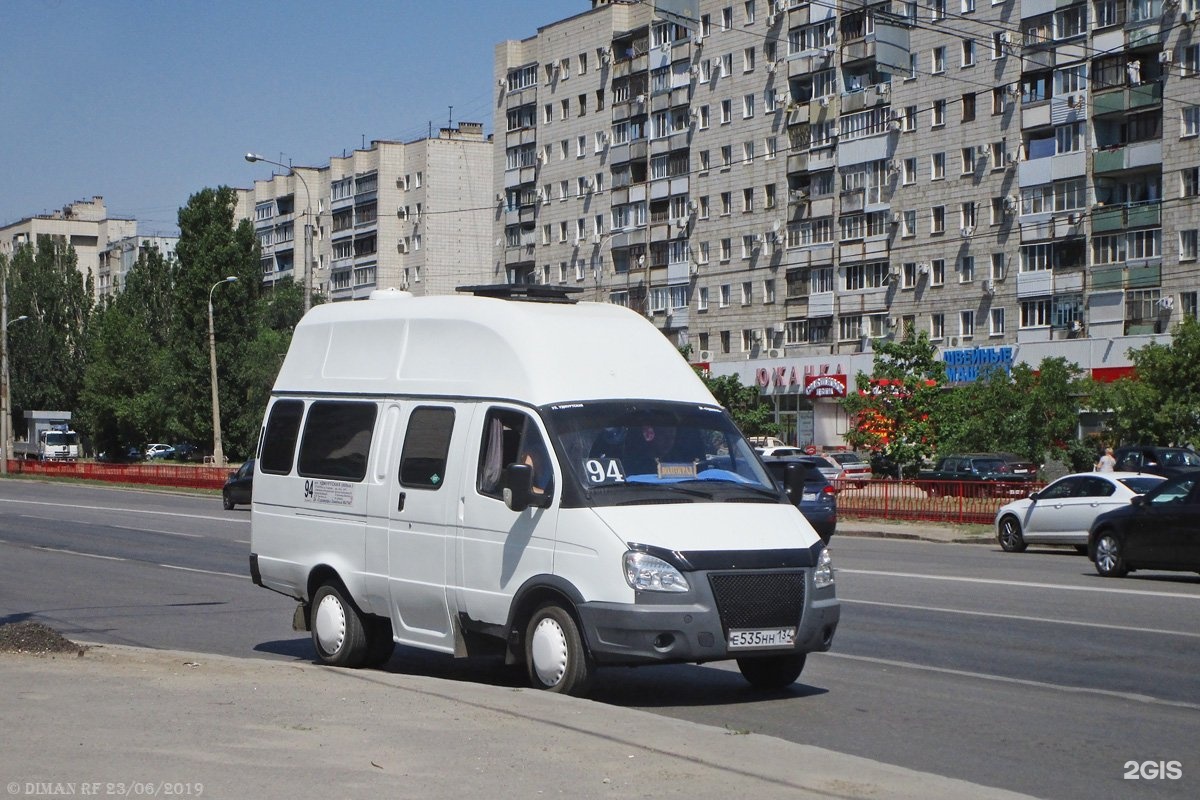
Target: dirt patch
(34,637)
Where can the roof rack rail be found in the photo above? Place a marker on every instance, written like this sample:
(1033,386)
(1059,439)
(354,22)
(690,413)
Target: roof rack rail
(532,292)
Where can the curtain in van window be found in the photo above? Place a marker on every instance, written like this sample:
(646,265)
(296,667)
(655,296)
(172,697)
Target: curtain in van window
(493,457)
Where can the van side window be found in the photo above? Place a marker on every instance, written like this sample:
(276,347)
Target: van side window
(279,440)
(426,444)
(337,439)
(510,437)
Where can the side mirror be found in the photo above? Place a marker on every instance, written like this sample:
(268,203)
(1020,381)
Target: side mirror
(1137,500)
(1034,496)
(793,482)
(518,488)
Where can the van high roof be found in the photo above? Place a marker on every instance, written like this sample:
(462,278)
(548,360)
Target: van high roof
(477,346)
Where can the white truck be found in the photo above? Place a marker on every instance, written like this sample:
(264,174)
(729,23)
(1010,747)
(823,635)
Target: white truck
(48,437)
(519,474)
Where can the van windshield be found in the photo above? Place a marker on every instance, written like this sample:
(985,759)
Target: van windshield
(628,452)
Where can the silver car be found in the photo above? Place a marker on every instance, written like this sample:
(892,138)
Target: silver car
(1063,512)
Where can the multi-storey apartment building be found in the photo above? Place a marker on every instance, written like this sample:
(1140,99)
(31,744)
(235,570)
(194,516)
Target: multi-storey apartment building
(778,184)
(118,258)
(84,225)
(408,215)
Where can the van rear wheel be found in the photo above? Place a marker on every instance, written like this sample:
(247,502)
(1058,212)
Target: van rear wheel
(555,656)
(338,632)
(772,672)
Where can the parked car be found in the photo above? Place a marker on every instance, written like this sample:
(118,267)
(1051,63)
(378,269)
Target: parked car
(154,451)
(818,502)
(1157,530)
(239,486)
(186,451)
(1063,512)
(1165,461)
(122,455)
(854,469)
(778,452)
(979,475)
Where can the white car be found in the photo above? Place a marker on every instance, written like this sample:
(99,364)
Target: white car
(159,451)
(777,452)
(1063,512)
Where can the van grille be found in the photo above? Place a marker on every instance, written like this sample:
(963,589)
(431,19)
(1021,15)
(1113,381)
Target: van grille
(758,599)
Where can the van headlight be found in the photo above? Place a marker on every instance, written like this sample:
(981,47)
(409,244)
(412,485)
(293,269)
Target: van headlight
(823,576)
(647,573)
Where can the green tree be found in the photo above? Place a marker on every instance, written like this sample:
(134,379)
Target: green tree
(753,416)
(210,248)
(1160,403)
(1032,412)
(47,353)
(895,411)
(124,399)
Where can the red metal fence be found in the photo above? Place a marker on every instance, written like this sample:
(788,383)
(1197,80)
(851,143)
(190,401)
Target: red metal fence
(954,502)
(931,501)
(181,475)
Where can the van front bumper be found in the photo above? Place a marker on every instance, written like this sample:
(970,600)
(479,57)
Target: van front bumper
(662,631)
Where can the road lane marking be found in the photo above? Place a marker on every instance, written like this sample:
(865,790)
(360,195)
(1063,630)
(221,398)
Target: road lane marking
(1021,584)
(118,527)
(65,551)
(125,510)
(1057,687)
(1125,628)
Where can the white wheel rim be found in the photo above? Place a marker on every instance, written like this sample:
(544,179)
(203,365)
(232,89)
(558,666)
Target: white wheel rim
(330,624)
(1106,554)
(549,652)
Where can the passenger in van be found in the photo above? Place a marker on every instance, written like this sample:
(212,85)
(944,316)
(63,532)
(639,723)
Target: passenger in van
(644,449)
(533,454)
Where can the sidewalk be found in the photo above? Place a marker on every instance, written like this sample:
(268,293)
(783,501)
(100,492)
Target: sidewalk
(923,531)
(158,723)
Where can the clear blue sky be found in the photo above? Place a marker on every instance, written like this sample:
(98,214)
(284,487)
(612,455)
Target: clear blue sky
(146,103)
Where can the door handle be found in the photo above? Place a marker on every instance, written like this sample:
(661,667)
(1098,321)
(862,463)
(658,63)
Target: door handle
(400,502)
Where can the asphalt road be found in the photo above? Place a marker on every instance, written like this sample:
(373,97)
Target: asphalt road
(1026,672)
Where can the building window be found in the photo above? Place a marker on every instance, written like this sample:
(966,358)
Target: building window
(1035,313)
(1188,300)
(966,269)
(1188,244)
(1189,181)
(937,219)
(1190,121)
(938,117)
(937,326)
(937,61)
(966,323)
(996,322)
(937,272)
(968,52)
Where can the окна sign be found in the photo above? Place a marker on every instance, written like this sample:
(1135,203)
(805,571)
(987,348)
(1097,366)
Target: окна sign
(823,380)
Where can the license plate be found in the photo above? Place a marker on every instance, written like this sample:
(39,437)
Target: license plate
(761,637)
(809,496)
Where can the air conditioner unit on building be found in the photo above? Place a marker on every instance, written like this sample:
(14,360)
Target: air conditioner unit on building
(1011,204)
(1006,38)
(989,286)
(923,268)
(779,327)
(541,157)
(1014,90)
(698,40)
(894,125)
(774,352)
(797,196)
(683,222)
(402,246)
(895,217)
(967,231)
(771,68)
(1165,57)
(893,322)
(824,101)
(1073,218)
(640,99)
(705,355)
(884,88)
(501,82)
(694,71)
(1166,303)
(981,151)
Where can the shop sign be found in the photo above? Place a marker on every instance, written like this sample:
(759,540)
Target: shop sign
(818,380)
(966,365)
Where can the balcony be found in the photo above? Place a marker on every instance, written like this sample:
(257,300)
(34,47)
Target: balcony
(1129,156)
(1126,98)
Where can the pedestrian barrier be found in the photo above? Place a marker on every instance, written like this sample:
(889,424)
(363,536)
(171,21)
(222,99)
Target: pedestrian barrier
(954,502)
(180,475)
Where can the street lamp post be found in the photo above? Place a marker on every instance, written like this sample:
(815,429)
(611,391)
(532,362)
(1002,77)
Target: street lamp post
(218,450)
(5,410)
(255,157)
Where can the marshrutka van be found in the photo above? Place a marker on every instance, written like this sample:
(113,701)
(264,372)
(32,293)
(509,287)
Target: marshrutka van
(515,473)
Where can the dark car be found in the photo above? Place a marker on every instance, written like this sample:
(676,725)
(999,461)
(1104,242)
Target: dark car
(122,455)
(238,487)
(979,475)
(1165,461)
(1157,530)
(818,501)
(186,451)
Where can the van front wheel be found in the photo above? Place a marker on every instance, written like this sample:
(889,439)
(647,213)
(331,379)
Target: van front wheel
(772,672)
(555,656)
(337,629)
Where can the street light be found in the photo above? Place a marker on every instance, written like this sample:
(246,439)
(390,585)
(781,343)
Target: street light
(218,451)
(255,157)
(5,411)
